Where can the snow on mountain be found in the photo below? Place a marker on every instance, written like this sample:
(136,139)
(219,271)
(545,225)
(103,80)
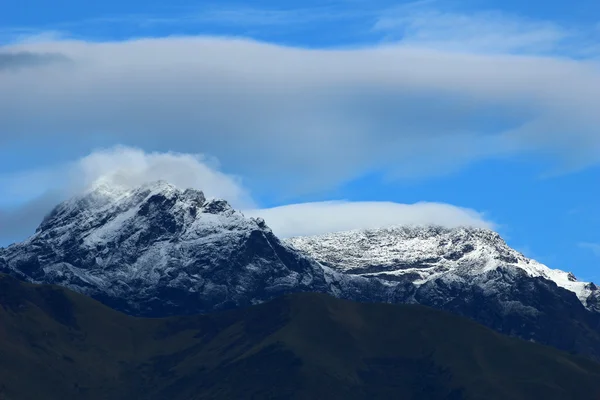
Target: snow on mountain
(158,250)
(426,253)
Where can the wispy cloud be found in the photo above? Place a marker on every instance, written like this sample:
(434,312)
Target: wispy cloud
(425,24)
(225,16)
(241,20)
(11,35)
(23,59)
(310,118)
(250,16)
(594,247)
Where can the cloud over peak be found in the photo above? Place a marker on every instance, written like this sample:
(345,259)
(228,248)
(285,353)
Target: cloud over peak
(34,193)
(131,167)
(309,219)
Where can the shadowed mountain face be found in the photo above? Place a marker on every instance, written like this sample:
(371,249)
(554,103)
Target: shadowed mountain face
(157,251)
(57,344)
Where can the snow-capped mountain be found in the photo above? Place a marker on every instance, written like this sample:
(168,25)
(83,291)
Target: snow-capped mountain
(425,254)
(158,250)
(468,271)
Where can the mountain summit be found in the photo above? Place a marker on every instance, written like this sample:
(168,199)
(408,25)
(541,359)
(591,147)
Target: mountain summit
(157,250)
(424,254)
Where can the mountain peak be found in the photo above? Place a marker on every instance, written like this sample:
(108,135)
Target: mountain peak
(423,254)
(114,190)
(109,198)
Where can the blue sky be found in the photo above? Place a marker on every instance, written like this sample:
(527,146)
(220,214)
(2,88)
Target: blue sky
(485,105)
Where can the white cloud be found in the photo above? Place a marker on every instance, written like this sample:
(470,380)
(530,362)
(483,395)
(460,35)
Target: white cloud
(334,216)
(130,167)
(303,119)
(421,25)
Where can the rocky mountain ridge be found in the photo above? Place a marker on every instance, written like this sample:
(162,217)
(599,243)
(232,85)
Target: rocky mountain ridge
(422,254)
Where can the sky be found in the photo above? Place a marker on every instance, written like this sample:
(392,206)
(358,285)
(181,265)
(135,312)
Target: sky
(319,116)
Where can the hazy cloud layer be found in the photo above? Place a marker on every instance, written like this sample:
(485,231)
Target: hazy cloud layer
(303,119)
(336,216)
(420,24)
(11,61)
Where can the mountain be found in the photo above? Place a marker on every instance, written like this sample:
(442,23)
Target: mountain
(157,251)
(423,254)
(58,344)
(472,272)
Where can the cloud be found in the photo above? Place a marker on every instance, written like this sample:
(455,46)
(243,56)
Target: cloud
(131,167)
(35,193)
(419,24)
(247,17)
(334,216)
(594,247)
(11,34)
(22,59)
(211,16)
(306,119)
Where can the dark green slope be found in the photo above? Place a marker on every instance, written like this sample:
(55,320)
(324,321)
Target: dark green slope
(56,344)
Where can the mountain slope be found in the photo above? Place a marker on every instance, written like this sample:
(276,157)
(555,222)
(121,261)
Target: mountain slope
(422,254)
(58,344)
(159,251)
(471,272)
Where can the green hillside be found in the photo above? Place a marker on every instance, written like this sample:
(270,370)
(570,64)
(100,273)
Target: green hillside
(56,344)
